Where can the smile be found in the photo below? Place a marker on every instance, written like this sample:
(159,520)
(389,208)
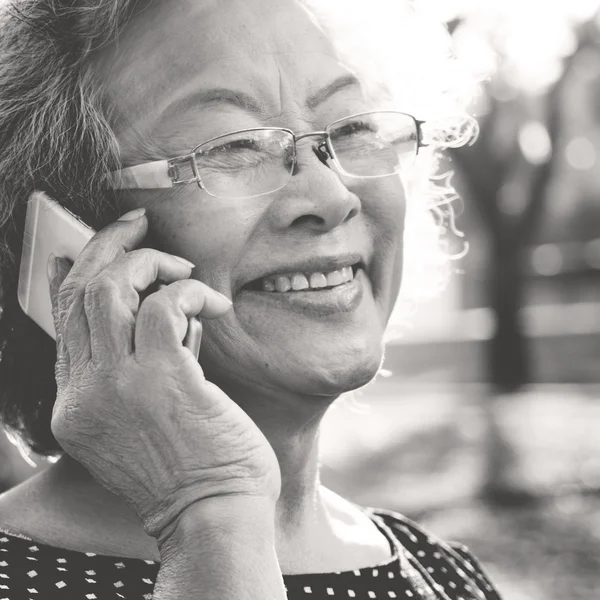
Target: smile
(296,282)
(306,276)
(339,298)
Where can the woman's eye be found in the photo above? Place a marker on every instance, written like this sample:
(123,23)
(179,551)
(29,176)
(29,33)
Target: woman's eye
(236,146)
(234,155)
(353,128)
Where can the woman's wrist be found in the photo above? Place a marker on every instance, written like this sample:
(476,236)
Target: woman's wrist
(220,518)
(222,548)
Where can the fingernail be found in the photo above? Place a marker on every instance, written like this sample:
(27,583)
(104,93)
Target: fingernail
(51,267)
(132,215)
(186,262)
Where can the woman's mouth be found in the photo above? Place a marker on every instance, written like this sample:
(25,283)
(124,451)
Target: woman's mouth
(302,282)
(331,293)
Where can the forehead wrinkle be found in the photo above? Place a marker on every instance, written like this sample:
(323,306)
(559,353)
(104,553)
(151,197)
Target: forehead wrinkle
(141,88)
(217,97)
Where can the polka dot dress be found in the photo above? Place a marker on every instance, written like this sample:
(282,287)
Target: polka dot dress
(421,568)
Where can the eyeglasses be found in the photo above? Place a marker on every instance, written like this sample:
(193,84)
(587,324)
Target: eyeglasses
(254,162)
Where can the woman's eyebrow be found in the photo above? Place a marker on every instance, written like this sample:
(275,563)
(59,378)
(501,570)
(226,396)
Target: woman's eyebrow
(329,90)
(234,97)
(214,96)
(250,104)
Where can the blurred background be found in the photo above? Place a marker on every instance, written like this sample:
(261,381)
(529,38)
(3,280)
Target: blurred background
(484,425)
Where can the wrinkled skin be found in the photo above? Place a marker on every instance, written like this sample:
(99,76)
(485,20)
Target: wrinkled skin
(133,404)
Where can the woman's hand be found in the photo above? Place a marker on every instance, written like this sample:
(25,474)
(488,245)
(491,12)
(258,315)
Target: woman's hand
(133,405)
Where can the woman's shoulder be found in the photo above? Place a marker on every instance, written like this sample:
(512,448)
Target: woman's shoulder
(438,558)
(53,513)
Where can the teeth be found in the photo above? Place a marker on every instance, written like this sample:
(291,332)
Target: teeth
(347,274)
(268,285)
(335,278)
(318,280)
(282,283)
(299,281)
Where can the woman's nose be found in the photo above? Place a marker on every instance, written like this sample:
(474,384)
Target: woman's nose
(315,197)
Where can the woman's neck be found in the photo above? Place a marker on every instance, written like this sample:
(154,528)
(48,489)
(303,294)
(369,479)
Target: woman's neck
(291,424)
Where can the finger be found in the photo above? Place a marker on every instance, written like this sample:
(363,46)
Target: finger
(58,269)
(111,242)
(162,321)
(193,334)
(106,245)
(112,297)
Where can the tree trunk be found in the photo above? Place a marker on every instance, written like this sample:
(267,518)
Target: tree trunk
(508,366)
(508,357)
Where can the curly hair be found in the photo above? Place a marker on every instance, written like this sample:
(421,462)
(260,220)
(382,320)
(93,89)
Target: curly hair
(55,135)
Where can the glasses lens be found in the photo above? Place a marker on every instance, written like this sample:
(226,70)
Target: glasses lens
(374,144)
(246,164)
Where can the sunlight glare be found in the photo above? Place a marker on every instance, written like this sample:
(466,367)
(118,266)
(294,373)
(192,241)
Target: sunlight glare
(535,143)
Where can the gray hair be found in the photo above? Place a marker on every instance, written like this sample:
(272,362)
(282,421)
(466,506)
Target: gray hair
(54,136)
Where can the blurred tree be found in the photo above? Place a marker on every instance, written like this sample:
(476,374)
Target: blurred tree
(520,111)
(511,140)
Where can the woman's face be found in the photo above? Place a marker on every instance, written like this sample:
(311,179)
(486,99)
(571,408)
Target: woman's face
(167,77)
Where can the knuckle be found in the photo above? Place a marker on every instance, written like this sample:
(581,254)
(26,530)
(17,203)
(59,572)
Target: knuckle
(146,257)
(61,368)
(69,288)
(61,424)
(56,316)
(144,254)
(102,291)
(158,303)
(183,292)
(64,300)
(101,285)
(125,387)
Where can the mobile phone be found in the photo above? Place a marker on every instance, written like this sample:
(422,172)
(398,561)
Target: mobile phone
(52,229)
(49,229)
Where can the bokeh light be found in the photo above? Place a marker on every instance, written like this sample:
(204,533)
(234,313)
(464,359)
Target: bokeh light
(580,153)
(535,143)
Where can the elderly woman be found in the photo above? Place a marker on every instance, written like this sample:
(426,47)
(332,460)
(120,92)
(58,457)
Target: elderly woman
(260,184)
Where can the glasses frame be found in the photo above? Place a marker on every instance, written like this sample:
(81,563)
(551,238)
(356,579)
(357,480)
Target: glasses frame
(167,173)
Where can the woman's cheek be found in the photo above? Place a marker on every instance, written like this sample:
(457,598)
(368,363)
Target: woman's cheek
(384,207)
(383,203)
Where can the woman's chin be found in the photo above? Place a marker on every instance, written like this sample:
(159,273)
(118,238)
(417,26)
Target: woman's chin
(334,374)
